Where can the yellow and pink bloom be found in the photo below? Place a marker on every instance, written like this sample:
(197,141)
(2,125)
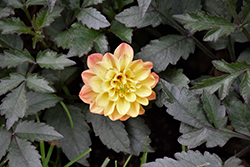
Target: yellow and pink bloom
(116,86)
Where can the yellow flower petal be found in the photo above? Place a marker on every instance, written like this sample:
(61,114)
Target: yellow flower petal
(152,96)
(102,99)
(124,61)
(124,49)
(142,100)
(143,91)
(122,106)
(135,65)
(93,59)
(148,65)
(109,108)
(87,75)
(106,85)
(110,59)
(95,108)
(134,109)
(141,111)
(115,115)
(156,79)
(113,95)
(129,73)
(125,117)
(141,74)
(131,97)
(111,73)
(149,81)
(101,69)
(95,83)
(87,95)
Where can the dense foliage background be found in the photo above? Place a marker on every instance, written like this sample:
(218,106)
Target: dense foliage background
(199,48)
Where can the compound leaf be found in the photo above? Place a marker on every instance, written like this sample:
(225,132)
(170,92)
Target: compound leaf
(233,162)
(121,31)
(101,44)
(92,2)
(167,50)
(38,84)
(40,101)
(239,115)
(23,154)
(6,11)
(15,3)
(84,39)
(8,83)
(138,133)
(131,17)
(76,140)
(184,6)
(111,133)
(245,87)
(45,17)
(14,25)
(61,77)
(176,77)
(222,83)
(14,105)
(50,59)
(36,2)
(12,41)
(185,107)
(64,38)
(36,131)
(143,6)
(214,110)
(202,21)
(219,8)
(193,158)
(4,142)
(92,18)
(13,58)
(246,11)
(231,68)
(51,4)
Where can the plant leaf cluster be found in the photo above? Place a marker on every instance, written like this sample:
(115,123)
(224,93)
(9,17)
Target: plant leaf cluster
(41,41)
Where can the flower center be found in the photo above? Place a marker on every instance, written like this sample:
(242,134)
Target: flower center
(121,84)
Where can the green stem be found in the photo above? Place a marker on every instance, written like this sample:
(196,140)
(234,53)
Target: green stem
(231,49)
(3,162)
(145,154)
(58,157)
(242,152)
(25,9)
(32,68)
(183,148)
(68,113)
(125,164)
(115,163)
(77,158)
(66,91)
(204,49)
(48,155)
(236,18)
(42,148)
(233,13)
(105,163)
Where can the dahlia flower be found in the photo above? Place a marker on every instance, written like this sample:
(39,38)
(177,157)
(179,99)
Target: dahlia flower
(116,86)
